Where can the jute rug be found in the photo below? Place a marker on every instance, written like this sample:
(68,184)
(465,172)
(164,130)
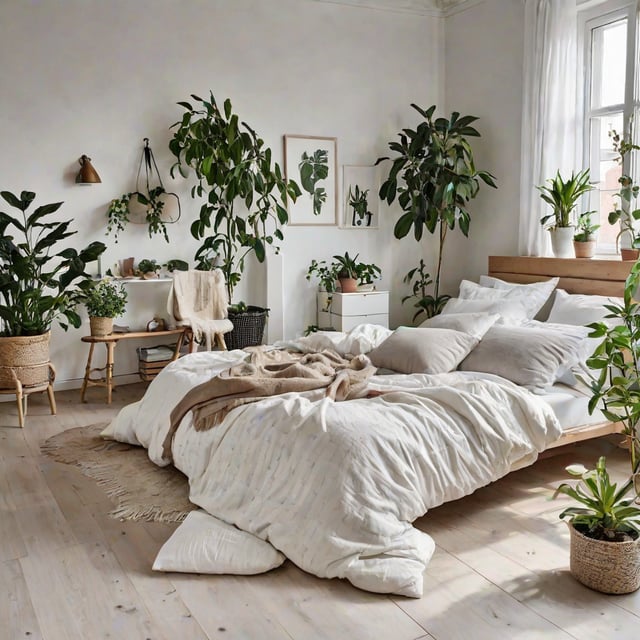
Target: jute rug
(139,489)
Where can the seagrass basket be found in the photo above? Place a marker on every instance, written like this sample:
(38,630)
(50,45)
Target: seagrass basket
(25,358)
(608,567)
(248,328)
(100,326)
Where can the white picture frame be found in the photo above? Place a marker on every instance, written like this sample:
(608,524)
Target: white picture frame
(356,181)
(311,161)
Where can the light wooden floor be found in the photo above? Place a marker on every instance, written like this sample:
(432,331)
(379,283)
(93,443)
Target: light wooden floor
(68,571)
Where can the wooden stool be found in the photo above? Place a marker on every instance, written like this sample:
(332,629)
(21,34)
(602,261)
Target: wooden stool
(110,343)
(22,393)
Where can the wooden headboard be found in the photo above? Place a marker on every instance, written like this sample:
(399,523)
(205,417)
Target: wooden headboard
(595,277)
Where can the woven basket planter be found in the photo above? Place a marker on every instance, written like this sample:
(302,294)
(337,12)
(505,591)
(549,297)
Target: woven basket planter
(248,328)
(100,326)
(608,567)
(25,358)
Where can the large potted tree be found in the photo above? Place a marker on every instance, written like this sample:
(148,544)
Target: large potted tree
(39,285)
(434,176)
(244,198)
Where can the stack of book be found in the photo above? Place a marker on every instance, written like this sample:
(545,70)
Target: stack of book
(152,360)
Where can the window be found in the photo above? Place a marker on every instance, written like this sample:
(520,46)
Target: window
(609,33)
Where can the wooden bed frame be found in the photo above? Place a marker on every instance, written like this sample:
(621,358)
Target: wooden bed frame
(593,277)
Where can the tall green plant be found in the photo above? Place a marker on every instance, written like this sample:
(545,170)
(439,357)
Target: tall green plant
(245,193)
(434,176)
(616,388)
(38,286)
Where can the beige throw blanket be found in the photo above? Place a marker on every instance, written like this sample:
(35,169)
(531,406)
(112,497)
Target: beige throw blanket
(199,299)
(270,373)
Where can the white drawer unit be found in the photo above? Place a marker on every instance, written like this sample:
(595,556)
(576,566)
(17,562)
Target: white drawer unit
(351,309)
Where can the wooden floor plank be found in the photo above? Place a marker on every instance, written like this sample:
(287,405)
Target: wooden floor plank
(500,570)
(17,616)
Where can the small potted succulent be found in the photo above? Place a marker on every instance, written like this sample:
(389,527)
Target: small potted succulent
(104,302)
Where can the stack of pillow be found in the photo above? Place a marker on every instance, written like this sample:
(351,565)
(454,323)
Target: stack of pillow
(491,328)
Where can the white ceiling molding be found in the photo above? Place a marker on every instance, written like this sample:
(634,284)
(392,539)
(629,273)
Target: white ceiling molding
(422,7)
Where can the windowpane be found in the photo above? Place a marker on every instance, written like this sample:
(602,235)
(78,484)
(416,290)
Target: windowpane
(605,172)
(608,56)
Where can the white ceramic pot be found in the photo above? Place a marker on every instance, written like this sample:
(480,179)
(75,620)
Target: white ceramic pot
(562,241)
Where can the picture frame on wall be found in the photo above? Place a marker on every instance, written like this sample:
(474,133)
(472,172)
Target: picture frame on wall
(311,161)
(361,203)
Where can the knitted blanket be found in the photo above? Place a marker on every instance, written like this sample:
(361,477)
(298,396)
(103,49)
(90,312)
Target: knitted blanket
(199,299)
(268,373)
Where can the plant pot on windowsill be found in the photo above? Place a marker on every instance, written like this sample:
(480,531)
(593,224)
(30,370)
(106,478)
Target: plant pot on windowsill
(561,241)
(585,248)
(629,254)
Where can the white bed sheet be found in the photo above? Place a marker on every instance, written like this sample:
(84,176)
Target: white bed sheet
(571,406)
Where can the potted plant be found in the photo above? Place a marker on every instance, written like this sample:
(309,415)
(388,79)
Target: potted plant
(327,276)
(438,177)
(39,285)
(104,302)
(351,274)
(563,195)
(612,564)
(244,199)
(584,238)
(152,201)
(148,269)
(604,529)
(626,211)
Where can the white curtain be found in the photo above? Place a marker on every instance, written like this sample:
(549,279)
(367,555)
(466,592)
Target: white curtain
(550,115)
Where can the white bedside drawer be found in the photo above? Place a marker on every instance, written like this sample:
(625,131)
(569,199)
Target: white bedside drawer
(359,304)
(346,323)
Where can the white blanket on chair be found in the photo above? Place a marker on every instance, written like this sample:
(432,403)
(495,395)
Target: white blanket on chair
(199,299)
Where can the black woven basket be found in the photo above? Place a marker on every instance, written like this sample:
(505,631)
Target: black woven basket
(248,328)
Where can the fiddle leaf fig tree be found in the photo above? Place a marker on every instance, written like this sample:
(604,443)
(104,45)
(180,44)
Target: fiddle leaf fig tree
(245,194)
(434,176)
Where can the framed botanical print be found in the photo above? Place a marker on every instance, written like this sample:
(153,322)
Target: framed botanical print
(311,161)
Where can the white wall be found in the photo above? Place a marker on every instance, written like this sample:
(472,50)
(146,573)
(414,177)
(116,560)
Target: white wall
(94,77)
(483,77)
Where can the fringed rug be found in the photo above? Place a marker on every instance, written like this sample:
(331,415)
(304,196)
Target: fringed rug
(140,489)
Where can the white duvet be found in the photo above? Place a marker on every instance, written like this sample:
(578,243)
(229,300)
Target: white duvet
(336,486)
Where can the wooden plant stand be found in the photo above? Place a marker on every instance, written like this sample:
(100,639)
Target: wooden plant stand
(22,392)
(110,343)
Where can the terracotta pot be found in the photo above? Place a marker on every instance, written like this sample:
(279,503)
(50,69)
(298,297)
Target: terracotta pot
(562,241)
(584,249)
(629,254)
(24,358)
(100,327)
(348,285)
(608,567)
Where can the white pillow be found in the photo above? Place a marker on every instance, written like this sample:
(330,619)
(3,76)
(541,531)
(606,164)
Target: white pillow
(581,309)
(475,324)
(511,312)
(204,544)
(532,296)
(416,350)
(532,358)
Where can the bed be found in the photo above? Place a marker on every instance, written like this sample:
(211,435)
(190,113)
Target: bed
(335,486)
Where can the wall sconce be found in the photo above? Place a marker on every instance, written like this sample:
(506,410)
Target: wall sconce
(87,174)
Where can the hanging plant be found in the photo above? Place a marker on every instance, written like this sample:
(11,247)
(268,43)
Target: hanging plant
(153,199)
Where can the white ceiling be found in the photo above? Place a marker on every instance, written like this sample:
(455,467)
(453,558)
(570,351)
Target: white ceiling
(429,7)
